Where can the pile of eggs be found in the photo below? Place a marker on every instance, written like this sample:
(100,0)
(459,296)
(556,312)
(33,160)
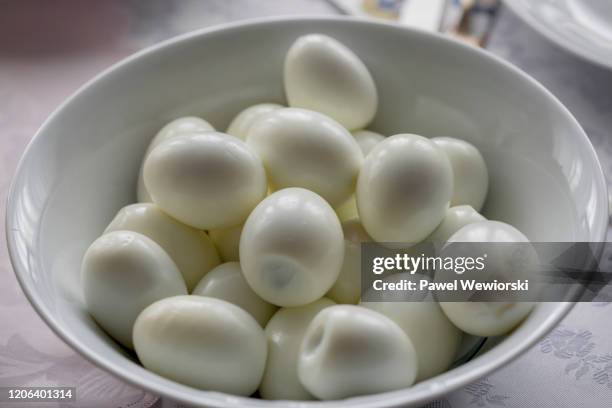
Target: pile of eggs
(239,269)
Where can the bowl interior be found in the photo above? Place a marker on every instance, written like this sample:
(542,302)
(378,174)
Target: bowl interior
(82,166)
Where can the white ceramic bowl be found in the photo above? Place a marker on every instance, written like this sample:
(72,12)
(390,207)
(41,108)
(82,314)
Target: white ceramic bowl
(583,27)
(82,165)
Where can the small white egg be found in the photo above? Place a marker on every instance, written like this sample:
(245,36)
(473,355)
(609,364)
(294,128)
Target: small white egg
(302,148)
(292,247)
(366,139)
(122,273)
(404,189)
(285,332)
(241,124)
(436,340)
(202,342)
(488,318)
(207,180)
(322,74)
(347,288)
(176,127)
(227,241)
(187,124)
(456,218)
(226,282)
(348,210)
(191,250)
(350,350)
(470,175)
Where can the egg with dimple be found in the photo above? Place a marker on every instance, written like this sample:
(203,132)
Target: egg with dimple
(351,350)
(404,189)
(176,127)
(456,218)
(323,75)
(122,273)
(436,340)
(366,139)
(302,148)
(490,318)
(202,342)
(292,247)
(285,332)
(206,180)
(347,288)
(241,124)
(227,241)
(470,175)
(226,282)
(191,250)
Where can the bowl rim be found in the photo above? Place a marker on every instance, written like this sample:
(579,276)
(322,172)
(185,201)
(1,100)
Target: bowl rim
(389,399)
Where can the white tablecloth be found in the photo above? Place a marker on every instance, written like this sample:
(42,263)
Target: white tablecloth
(48,49)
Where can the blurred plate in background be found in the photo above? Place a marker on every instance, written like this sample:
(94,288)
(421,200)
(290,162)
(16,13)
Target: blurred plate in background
(583,27)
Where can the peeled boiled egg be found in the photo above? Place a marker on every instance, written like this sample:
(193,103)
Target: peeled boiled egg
(176,127)
(285,332)
(470,175)
(486,318)
(436,340)
(207,180)
(456,218)
(122,273)
(347,288)
(241,124)
(202,342)
(191,250)
(350,350)
(323,75)
(226,282)
(404,189)
(292,247)
(348,210)
(489,318)
(302,148)
(227,241)
(366,139)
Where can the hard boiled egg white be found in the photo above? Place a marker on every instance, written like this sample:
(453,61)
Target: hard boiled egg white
(241,124)
(207,180)
(436,340)
(366,139)
(347,288)
(226,282)
(456,218)
(323,75)
(176,127)
(348,210)
(122,273)
(488,318)
(350,350)
(202,342)
(470,175)
(404,189)
(227,241)
(302,148)
(191,250)
(285,332)
(292,247)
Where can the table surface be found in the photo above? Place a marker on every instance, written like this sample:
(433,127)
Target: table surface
(48,49)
